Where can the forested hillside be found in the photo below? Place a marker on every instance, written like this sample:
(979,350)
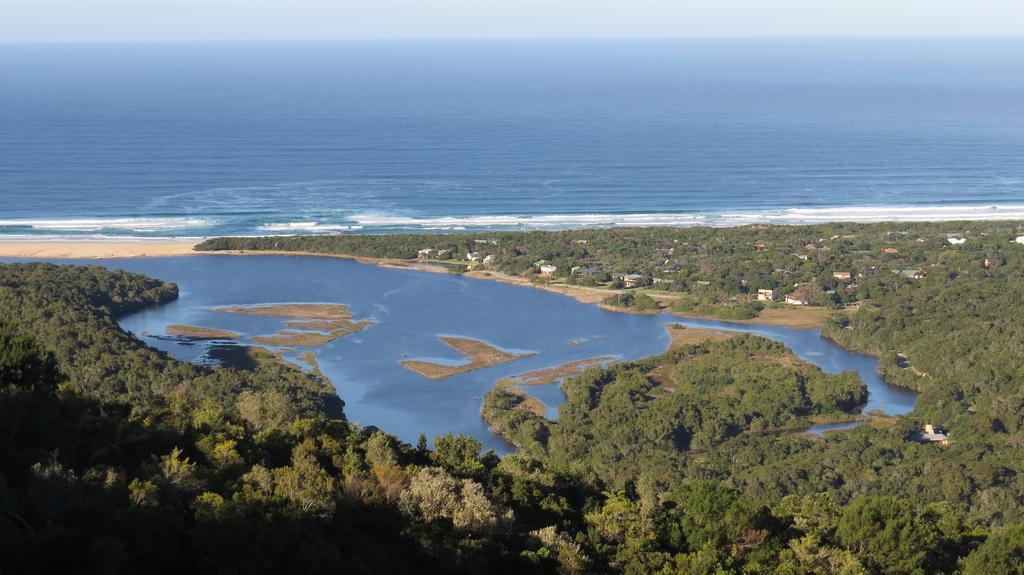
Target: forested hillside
(642,418)
(117,459)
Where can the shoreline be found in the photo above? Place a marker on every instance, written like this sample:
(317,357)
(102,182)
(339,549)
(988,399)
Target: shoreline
(806,318)
(88,250)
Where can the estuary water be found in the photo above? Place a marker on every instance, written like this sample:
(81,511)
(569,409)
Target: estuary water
(174,140)
(410,309)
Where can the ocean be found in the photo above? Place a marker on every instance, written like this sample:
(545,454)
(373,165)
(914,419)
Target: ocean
(196,140)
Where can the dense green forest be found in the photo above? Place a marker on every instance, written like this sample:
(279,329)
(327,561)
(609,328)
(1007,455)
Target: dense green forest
(644,417)
(116,458)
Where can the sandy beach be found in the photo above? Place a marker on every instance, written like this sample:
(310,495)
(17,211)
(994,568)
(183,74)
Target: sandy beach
(95,250)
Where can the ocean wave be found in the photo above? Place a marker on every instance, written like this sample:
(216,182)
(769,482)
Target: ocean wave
(307,227)
(124,224)
(721,219)
(875,214)
(527,222)
(199,227)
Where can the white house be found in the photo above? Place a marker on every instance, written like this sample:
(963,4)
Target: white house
(548,269)
(793,299)
(632,280)
(957,241)
(934,434)
(1019,240)
(425,253)
(489,259)
(475,256)
(765,295)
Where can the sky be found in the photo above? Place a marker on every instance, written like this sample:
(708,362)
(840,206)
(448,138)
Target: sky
(226,20)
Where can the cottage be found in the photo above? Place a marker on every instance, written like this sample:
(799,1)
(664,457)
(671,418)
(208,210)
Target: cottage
(425,253)
(588,272)
(765,295)
(632,280)
(934,435)
(548,269)
(956,241)
(1019,240)
(793,299)
(475,256)
(842,275)
(664,281)
(489,259)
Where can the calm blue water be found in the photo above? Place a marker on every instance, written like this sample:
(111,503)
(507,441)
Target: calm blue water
(204,139)
(411,308)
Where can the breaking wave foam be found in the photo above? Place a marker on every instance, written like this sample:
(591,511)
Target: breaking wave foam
(87,225)
(784,216)
(307,227)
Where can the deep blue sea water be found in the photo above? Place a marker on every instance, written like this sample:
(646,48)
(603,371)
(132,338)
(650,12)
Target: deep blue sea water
(157,140)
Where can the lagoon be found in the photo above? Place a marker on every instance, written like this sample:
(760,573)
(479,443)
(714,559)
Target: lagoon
(410,309)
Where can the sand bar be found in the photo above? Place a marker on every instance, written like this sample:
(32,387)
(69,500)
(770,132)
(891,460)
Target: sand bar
(480,355)
(557,373)
(95,250)
(198,332)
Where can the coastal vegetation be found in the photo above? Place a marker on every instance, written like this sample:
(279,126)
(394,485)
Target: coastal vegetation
(831,265)
(478,354)
(645,416)
(936,301)
(632,302)
(693,461)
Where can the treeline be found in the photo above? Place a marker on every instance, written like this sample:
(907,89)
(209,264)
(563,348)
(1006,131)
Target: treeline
(643,417)
(113,488)
(70,311)
(713,265)
(116,458)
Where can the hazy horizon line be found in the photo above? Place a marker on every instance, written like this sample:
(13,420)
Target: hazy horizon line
(491,39)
